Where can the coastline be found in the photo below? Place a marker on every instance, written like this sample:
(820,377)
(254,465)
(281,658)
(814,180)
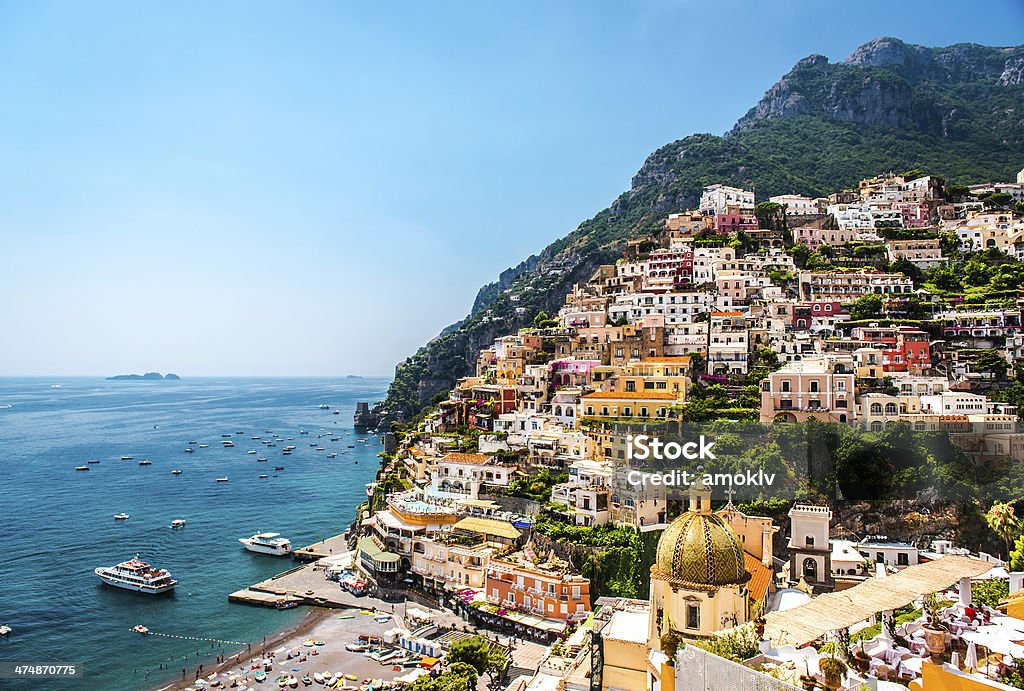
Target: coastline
(308,622)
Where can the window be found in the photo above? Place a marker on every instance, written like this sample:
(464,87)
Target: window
(785,387)
(693,616)
(809,540)
(814,387)
(903,559)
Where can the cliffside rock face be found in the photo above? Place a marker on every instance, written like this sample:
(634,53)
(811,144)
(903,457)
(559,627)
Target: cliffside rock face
(1013,72)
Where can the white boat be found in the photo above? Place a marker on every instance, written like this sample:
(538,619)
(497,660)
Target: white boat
(222,479)
(204,446)
(127,458)
(81,467)
(251,452)
(263,476)
(228,444)
(121,517)
(92,461)
(175,472)
(137,575)
(323,406)
(5,629)
(267,543)
(178,523)
(189,449)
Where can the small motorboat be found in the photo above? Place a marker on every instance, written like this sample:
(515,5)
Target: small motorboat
(127,458)
(145,462)
(323,406)
(189,450)
(328,678)
(193,443)
(318,677)
(121,517)
(5,629)
(178,523)
(175,472)
(92,461)
(260,676)
(251,452)
(306,680)
(223,479)
(261,460)
(332,455)
(139,628)
(204,446)
(81,467)
(263,476)
(278,467)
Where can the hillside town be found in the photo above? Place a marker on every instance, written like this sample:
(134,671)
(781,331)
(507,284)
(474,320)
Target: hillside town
(884,313)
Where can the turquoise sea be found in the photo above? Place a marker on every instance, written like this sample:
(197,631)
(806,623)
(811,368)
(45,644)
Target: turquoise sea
(58,523)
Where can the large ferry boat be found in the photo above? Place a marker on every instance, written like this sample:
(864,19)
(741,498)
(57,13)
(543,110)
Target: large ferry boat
(137,575)
(267,543)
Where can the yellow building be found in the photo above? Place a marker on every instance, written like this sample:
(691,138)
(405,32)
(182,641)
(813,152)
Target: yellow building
(699,578)
(627,404)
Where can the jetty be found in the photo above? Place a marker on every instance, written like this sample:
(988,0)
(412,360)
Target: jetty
(304,585)
(328,547)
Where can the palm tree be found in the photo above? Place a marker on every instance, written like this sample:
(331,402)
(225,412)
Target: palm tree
(1001,519)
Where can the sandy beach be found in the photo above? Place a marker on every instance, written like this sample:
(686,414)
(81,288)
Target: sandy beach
(334,627)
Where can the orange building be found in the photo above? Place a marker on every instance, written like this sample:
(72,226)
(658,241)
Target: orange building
(547,589)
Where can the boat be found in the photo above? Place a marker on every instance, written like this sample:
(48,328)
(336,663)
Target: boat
(5,629)
(145,462)
(267,543)
(278,467)
(251,452)
(320,448)
(178,523)
(139,628)
(226,435)
(255,438)
(318,677)
(357,647)
(223,479)
(261,460)
(228,444)
(336,412)
(137,575)
(121,517)
(175,472)
(260,676)
(323,406)
(193,443)
(189,450)
(302,431)
(127,458)
(286,453)
(332,455)
(204,446)
(263,476)
(92,461)
(81,467)
(306,680)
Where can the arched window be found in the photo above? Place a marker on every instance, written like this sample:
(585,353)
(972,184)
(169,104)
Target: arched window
(810,569)
(876,408)
(890,408)
(876,426)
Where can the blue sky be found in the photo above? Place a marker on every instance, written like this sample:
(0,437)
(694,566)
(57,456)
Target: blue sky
(317,188)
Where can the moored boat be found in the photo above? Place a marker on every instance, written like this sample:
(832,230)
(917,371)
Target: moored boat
(267,543)
(178,523)
(81,467)
(223,479)
(121,517)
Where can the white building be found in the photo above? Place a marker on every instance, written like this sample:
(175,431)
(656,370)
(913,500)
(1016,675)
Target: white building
(717,198)
(796,204)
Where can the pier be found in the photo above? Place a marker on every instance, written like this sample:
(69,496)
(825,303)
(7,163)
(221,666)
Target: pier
(328,547)
(249,596)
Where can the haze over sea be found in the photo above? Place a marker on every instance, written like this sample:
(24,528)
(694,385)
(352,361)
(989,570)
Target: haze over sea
(59,523)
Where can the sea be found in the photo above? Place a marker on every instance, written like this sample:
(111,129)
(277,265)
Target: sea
(58,523)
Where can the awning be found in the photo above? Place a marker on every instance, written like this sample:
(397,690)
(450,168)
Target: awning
(835,611)
(488,526)
(376,553)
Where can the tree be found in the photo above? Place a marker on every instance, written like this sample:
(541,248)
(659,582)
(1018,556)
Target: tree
(474,651)
(800,253)
(989,361)
(999,200)
(868,306)
(541,317)
(459,677)
(1001,519)
(770,215)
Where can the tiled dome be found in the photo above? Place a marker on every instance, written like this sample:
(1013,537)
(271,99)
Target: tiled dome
(699,549)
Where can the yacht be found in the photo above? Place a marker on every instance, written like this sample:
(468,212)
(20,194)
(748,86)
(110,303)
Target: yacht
(267,543)
(121,517)
(137,575)
(178,523)
(323,406)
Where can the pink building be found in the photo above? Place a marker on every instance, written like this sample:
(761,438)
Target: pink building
(733,222)
(571,372)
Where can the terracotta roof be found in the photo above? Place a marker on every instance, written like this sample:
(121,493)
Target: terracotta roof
(631,395)
(760,577)
(727,314)
(470,458)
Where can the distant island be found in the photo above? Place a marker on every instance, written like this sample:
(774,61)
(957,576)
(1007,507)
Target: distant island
(148,376)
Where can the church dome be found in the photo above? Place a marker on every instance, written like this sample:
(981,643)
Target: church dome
(700,549)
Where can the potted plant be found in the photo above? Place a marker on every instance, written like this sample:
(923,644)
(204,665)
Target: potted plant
(934,630)
(833,669)
(861,659)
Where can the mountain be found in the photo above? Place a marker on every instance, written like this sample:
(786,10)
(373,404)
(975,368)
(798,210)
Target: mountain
(956,112)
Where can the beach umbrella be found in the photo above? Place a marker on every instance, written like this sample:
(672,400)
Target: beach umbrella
(971,658)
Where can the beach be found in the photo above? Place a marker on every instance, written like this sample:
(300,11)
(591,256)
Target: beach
(334,627)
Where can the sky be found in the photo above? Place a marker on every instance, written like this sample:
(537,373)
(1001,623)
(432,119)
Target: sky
(317,188)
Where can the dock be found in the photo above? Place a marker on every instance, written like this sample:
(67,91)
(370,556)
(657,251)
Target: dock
(249,596)
(325,548)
